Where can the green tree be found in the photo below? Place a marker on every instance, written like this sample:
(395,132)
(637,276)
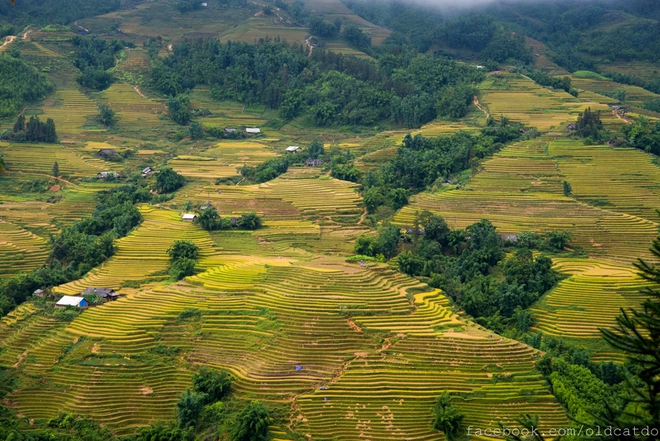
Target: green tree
(214,384)
(638,334)
(178,109)
(448,418)
(209,219)
(183,248)
(56,170)
(316,149)
(106,115)
(249,221)
(568,190)
(196,131)
(365,246)
(388,240)
(252,423)
(167,180)
(189,408)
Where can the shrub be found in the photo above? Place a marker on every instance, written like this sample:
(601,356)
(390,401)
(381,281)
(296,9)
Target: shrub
(214,384)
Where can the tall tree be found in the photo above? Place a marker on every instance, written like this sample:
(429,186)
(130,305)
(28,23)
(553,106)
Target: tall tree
(638,334)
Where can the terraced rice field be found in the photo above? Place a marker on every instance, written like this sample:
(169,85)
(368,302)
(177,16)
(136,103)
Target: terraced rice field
(519,189)
(36,160)
(136,115)
(69,108)
(143,253)
(223,160)
(520,99)
(299,192)
(589,299)
(597,177)
(259,320)
(634,95)
(20,250)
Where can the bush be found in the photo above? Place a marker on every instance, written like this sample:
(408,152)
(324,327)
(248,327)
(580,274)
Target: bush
(249,221)
(448,418)
(167,180)
(252,424)
(183,249)
(182,268)
(214,384)
(189,408)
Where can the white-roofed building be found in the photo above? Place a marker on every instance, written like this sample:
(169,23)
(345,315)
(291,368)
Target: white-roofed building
(80,302)
(189,217)
(253,130)
(292,149)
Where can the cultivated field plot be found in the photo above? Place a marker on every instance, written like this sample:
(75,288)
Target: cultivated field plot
(44,217)
(261,318)
(623,180)
(70,109)
(36,160)
(520,190)
(223,159)
(136,115)
(300,191)
(256,28)
(143,253)
(589,299)
(634,95)
(520,99)
(20,250)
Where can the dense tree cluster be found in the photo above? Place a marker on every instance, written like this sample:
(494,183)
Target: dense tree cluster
(590,127)
(542,78)
(421,162)
(168,181)
(643,135)
(183,255)
(94,57)
(20,83)
(333,89)
(32,131)
(210,220)
(469,266)
(81,246)
(62,12)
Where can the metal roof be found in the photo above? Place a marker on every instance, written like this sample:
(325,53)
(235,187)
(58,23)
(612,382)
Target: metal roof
(70,301)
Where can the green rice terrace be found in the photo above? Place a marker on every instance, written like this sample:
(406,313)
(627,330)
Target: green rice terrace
(327,220)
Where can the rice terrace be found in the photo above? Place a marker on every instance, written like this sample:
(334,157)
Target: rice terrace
(329,220)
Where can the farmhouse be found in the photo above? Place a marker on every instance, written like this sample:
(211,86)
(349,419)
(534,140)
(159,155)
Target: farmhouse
(65,301)
(106,153)
(189,217)
(107,174)
(147,171)
(104,293)
(253,130)
(292,149)
(229,130)
(39,293)
(510,237)
(571,127)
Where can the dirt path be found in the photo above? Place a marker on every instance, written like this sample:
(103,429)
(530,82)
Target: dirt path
(8,40)
(364,214)
(26,33)
(75,23)
(620,117)
(475,101)
(169,47)
(135,88)
(309,45)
